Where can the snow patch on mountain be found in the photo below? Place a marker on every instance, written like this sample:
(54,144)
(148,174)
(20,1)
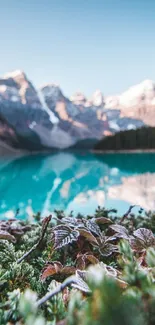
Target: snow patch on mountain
(52,116)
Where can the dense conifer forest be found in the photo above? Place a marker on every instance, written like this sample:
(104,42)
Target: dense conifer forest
(143,138)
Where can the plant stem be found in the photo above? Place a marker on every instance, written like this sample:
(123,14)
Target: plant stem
(61,287)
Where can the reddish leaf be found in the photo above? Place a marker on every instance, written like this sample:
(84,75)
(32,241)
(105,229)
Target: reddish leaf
(51,269)
(88,235)
(48,271)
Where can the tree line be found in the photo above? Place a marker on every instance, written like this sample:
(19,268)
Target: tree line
(142,138)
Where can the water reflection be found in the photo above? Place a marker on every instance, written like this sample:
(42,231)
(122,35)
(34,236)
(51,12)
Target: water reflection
(78,182)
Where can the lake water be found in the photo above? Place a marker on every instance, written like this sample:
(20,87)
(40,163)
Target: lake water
(76,181)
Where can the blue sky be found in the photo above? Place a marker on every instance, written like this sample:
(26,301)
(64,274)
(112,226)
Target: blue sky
(83,45)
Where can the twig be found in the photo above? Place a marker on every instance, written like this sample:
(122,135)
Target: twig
(44,228)
(127,213)
(61,287)
(17,212)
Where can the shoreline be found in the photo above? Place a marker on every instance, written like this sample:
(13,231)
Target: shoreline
(100,152)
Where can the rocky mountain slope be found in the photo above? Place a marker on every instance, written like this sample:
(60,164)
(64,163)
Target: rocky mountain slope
(137,102)
(39,119)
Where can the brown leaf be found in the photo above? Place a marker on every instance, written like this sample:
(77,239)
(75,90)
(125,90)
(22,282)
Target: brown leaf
(92,259)
(80,262)
(137,245)
(7,236)
(121,231)
(58,266)
(88,235)
(84,259)
(144,238)
(108,249)
(80,282)
(48,271)
(145,235)
(68,270)
(102,220)
(51,269)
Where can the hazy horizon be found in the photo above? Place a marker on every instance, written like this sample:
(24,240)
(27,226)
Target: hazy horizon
(82,46)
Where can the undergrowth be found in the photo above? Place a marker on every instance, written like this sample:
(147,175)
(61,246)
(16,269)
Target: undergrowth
(79,270)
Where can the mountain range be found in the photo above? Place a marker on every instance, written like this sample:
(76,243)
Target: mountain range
(40,119)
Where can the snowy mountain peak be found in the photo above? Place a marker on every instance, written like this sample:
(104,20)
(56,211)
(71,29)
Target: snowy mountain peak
(78,98)
(147,83)
(97,98)
(139,89)
(15,87)
(15,74)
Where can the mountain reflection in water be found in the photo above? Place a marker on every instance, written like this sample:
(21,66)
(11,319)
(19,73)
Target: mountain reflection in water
(76,181)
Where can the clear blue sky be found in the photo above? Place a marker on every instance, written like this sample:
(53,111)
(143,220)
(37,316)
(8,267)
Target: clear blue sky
(83,45)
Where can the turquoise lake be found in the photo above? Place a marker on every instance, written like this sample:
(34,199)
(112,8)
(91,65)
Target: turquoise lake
(76,182)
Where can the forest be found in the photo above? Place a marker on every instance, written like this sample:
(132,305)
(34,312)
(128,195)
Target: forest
(142,138)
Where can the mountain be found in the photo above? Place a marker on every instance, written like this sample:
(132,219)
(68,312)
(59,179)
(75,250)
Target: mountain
(137,102)
(41,119)
(84,118)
